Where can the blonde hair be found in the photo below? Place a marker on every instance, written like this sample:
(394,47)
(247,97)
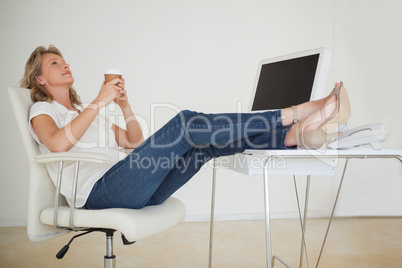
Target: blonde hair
(33,69)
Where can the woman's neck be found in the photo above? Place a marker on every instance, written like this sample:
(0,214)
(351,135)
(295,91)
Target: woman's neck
(65,102)
(62,96)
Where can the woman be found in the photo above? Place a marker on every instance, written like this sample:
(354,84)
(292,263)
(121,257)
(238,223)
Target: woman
(163,163)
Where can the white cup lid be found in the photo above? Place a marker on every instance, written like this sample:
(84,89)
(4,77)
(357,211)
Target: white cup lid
(112,71)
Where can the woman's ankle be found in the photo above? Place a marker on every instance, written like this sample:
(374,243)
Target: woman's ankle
(313,121)
(290,139)
(287,116)
(305,110)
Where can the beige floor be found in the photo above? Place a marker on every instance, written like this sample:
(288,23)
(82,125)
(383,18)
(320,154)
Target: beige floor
(353,242)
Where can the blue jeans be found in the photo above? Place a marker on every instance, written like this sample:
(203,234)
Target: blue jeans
(168,159)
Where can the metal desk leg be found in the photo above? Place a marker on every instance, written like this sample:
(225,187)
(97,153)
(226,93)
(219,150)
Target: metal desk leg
(267,215)
(303,245)
(211,223)
(303,223)
(332,213)
(270,258)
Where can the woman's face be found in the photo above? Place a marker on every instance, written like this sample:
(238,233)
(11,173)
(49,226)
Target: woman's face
(55,72)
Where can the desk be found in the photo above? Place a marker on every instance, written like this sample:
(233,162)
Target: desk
(293,162)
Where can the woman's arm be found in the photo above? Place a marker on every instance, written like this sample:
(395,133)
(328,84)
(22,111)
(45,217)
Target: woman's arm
(132,137)
(63,139)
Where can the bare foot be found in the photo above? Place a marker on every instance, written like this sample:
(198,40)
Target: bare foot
(316,119)
(310,115)
(306,109)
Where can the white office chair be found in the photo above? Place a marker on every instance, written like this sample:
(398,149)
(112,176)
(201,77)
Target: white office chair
(48,212)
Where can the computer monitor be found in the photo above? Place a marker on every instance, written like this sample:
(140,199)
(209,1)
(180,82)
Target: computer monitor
(290,80)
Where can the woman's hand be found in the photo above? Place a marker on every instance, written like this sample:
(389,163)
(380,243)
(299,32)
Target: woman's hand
(109,92)
(121,99)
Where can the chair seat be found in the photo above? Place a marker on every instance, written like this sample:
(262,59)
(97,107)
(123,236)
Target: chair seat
(135,224)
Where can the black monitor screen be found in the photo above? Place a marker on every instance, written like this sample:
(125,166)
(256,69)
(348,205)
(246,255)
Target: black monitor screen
(285,83)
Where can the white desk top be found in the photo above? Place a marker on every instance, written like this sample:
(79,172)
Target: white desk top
(302,162)
(356,152)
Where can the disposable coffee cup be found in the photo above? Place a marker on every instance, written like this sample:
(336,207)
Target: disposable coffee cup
(111,74)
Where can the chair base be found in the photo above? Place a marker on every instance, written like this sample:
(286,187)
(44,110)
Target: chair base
(109,259)
(110,262)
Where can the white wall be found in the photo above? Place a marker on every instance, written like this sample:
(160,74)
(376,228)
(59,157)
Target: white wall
(202,55)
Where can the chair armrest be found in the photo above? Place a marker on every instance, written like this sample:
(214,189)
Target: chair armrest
(72,156)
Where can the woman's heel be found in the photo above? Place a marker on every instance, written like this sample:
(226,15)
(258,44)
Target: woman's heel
(315,139)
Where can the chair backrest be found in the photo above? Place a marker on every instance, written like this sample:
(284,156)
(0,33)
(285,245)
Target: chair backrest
(41,187)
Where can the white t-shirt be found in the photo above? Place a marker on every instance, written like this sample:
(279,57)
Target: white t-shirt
(99,138)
